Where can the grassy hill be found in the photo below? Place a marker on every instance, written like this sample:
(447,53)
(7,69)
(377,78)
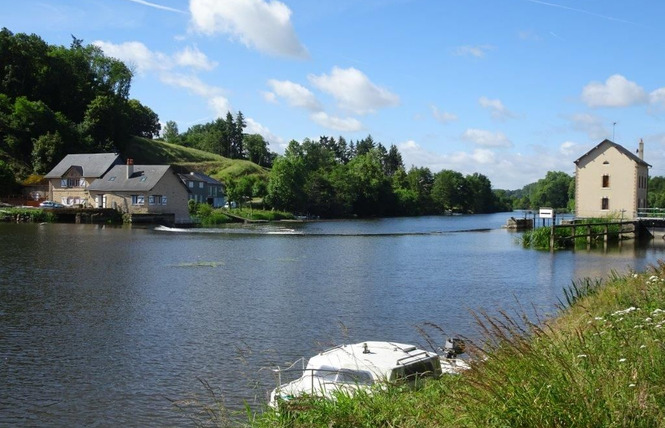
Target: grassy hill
(155,152)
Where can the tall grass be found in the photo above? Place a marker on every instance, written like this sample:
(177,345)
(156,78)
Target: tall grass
(539,238)
(599,363)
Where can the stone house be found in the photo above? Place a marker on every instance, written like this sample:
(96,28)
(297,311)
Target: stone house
(69,180)
(204,189)
(142,191)
(611,181)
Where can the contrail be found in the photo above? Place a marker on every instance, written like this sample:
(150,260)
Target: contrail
(157,6)
(610,18)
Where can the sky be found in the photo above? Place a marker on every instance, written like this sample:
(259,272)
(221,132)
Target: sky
(509,89)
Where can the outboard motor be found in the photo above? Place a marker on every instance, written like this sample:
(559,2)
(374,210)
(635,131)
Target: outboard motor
(454,346)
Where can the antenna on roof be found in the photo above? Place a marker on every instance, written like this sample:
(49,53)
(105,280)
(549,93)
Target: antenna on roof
(614,125)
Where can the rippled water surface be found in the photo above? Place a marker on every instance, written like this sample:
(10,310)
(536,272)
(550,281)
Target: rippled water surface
(107,325)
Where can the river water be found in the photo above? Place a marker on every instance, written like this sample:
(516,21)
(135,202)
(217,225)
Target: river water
(106,326)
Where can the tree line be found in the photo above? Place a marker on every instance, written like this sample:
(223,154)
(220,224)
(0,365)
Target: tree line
(56,100)
(330,178)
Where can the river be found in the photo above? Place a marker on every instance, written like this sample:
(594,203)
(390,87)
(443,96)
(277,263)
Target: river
(106,326)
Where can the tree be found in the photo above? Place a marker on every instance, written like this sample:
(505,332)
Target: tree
(171,134)
(236,132)
(364,146)
(105,121)
(286,184)
(256,149)
(369,185)
(47,150)
(143,122)
(8,183)
(551,191)
(393,161)
(449,191)
(481,198)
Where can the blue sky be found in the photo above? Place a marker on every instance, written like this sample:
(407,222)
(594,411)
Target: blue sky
(507,88)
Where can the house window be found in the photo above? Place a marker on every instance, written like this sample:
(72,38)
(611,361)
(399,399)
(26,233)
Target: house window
(112,178)
(200,184)
(137,200)
(605,204)
(163,200)
(191,184)
(151,200)
(71,182)
(606,180)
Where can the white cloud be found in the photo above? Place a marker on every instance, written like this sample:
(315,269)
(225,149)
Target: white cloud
(477,51)
(617,91)
(296,95)
(484,138)
(497,109)
(136,54)
(348,124)
(271,97)
(220,105)
(192,83)
(505,169)
(354,91)
(443,116)
(254,127)
(264,26)
(657,97)
(570,148)
(192,57)
(590,124)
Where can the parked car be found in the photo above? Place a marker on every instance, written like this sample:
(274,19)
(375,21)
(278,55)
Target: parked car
(51,204)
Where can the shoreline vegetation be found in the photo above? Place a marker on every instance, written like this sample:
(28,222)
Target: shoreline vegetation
(539,238)
(599,362)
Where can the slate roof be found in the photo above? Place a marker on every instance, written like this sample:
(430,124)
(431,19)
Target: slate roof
(144,178)
(620,148)
(92,165)
(199,176)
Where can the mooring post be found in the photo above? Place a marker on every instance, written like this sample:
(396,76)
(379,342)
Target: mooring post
(552,231)
(607,233)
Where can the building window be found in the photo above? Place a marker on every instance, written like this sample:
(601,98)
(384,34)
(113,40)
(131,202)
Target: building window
(151,200)
(200,184)
(163,200)
(605,204)
(137,200)
(606,180)
(191,184)
(72,182)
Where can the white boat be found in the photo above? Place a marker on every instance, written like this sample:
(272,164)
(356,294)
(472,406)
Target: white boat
(357,366)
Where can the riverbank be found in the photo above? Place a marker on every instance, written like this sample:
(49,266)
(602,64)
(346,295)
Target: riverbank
(600,362)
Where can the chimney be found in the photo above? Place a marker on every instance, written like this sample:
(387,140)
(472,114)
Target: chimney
(130,168)
(640,150)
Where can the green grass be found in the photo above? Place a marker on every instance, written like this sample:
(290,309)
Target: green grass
(599,363)
(155,152)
